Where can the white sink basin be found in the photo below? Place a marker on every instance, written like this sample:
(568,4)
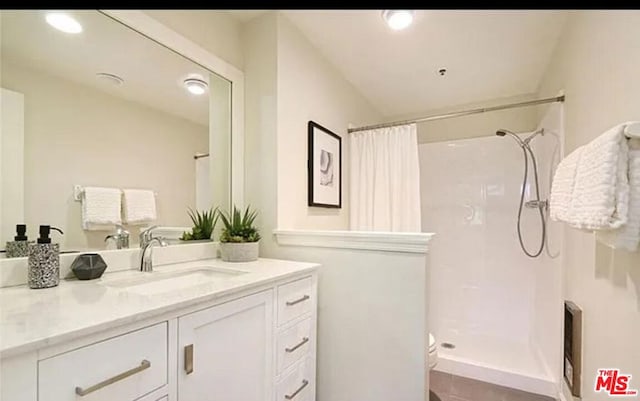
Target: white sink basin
(149,283)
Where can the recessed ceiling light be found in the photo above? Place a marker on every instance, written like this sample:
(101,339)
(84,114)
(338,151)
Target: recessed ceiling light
(195,86)
(398,19)
(63,22)
(111,78)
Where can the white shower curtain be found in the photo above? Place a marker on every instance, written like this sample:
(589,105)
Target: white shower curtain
(385,179)
(203,184)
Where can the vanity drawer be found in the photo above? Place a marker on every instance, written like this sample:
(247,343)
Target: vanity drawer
(293,344)
(295,299)
(299,384)
(123,368)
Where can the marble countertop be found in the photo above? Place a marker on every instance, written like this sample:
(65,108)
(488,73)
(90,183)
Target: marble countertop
(31,319)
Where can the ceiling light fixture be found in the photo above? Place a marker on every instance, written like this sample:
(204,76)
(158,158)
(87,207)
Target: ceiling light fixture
(111,78)
(398,19)
(63,22)
(195,86)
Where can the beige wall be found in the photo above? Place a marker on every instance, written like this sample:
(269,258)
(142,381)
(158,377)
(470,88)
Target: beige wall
(310,88)
(216,31)
(261,108)
(596,63)
(77,135)
(288,83)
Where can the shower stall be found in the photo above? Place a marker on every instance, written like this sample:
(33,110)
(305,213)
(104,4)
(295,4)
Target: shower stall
(496,282)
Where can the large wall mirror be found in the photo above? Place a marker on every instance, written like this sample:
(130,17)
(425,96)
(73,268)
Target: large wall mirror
(105,107)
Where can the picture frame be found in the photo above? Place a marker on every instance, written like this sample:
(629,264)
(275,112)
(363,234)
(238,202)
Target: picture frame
(324,167)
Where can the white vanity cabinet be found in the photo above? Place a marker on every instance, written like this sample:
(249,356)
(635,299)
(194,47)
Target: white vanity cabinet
(123,368)
(296,340)
(227,351)
(257,344)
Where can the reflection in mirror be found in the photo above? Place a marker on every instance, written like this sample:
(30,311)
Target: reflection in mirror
(105,107)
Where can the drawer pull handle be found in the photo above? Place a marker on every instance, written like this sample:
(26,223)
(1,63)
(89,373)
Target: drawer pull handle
(297,301)
(293,395)
(143,365)
(188,359)
(300,344)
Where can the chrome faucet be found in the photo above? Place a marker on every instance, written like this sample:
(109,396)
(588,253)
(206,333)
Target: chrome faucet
(121,237)
(146,262)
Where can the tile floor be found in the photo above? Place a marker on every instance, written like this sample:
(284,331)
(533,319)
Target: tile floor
(448,387)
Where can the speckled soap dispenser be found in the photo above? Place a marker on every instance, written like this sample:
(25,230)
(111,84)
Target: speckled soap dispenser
(19,248)
(44,260)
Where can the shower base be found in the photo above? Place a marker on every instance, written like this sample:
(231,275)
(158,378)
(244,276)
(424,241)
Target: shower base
(499,362)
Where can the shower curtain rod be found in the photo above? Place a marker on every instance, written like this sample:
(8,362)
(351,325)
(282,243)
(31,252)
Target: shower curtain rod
(459,113)
(201,155)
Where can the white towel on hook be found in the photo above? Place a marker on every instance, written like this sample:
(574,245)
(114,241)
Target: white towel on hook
(139,206)
(101,208)
(600,199)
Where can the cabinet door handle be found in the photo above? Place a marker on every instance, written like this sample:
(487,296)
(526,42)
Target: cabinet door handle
(300,344)
(297,301)
(143,365)
(293,395)
(188,359)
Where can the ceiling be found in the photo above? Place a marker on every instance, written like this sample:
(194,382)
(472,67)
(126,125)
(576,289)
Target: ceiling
(245,15)
(153,74)
(487,54)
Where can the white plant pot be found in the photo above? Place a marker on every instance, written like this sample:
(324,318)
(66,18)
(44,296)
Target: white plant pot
(239,251)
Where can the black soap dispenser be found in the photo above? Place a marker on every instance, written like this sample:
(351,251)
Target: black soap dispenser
(44,260)
(19,248)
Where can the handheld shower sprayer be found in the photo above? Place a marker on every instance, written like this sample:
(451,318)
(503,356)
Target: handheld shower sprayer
(537,203)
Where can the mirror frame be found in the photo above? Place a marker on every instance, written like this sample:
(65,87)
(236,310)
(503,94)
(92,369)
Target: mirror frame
(165,36)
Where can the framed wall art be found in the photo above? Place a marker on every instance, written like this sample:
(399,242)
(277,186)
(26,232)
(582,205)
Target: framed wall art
(324,167)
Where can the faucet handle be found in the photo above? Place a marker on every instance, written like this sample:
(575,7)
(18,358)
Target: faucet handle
(145,235)
(117,238)
(121,237)
(162,241)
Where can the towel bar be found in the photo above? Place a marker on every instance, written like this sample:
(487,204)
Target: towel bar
(79,189)
(632,130)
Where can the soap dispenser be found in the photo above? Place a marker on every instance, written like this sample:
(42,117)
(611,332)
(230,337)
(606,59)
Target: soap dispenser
(19,248)
(44,260)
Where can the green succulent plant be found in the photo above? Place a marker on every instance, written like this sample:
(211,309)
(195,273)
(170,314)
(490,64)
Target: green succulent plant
(203,225)
(238,226)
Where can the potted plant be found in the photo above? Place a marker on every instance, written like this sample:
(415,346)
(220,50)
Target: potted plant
(203,225)
(239,238)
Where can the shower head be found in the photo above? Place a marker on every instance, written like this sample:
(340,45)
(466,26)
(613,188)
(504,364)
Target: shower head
(525,142)
(503,132)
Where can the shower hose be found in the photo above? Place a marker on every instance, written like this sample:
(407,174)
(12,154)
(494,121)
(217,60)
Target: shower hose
(526,150)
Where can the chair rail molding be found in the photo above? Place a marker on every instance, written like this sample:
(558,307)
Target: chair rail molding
(365,240)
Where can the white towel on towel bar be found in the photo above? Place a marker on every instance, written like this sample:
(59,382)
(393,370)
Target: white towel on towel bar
(562,186)
(628,236)
(600,199)
(101,208)
(139,206)
(597,187)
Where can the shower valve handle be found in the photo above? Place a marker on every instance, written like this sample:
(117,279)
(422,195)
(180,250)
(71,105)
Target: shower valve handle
(535,204)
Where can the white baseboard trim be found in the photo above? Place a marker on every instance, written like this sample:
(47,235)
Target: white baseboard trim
(364,240)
